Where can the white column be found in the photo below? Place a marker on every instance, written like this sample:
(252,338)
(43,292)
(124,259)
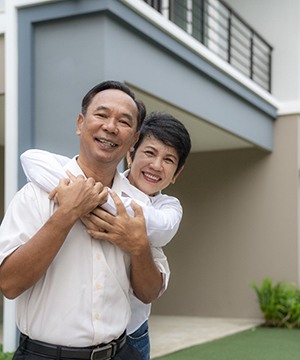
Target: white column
(9,327)
(11,148)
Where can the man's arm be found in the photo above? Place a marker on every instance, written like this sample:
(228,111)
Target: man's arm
(45,169)
(129,233)
(26,265)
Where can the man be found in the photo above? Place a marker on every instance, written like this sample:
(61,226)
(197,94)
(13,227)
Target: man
(72,290)
(157,160)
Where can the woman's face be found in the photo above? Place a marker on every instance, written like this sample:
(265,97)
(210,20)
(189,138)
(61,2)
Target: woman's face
(154,166)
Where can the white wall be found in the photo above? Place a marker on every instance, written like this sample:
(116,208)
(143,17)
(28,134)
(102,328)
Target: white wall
(278,22)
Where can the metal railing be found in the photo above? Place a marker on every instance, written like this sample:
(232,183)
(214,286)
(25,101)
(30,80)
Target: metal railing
(217,26)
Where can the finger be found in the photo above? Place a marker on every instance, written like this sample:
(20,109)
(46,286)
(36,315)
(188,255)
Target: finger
(99,187)
(103,194)
(118,202)
(71,176)
(91,181)
(52,194)
(98,234)
(138,210)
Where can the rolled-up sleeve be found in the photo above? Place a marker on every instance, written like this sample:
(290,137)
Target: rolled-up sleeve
(162,264)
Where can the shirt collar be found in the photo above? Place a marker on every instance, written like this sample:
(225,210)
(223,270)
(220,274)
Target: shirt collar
(73,167)
(121,184)
(123,187)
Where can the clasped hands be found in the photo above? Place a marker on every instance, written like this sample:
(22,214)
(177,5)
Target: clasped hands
(125,231)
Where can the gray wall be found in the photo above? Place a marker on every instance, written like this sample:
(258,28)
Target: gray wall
(240,224)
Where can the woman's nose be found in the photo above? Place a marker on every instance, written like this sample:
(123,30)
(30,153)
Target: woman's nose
(156,163)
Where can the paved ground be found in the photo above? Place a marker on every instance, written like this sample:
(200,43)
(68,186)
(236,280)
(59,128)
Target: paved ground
(172,333)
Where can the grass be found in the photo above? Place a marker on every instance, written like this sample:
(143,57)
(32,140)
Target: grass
(257,344)
(5,356)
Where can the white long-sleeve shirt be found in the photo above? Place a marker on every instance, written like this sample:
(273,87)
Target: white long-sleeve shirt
(162,213)
(83,298)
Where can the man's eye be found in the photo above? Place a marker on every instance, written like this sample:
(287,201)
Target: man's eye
(169,161)
(102,115)
(125,122)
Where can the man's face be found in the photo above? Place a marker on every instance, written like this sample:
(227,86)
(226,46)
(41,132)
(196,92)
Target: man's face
(108,129)
(154,166)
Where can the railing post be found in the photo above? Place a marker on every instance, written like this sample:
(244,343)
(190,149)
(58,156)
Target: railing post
(251,57)
(270,70)
(202,22)
(215,28)
(229,36)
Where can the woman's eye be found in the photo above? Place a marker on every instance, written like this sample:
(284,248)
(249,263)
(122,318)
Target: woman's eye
(149,153)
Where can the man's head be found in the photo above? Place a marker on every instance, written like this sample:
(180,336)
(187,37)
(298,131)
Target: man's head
(160,153)
(108,126)
(110,84)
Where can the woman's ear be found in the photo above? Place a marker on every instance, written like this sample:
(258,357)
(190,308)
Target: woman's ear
(177,174)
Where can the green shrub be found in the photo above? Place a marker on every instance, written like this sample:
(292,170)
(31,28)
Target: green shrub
(5,356)
(279,303)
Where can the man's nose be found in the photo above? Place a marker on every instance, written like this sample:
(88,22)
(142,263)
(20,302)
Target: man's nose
(111,126)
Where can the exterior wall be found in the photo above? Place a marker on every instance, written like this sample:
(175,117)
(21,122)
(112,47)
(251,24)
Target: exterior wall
(49,108)
(240,207)
(240,224)
(282,31)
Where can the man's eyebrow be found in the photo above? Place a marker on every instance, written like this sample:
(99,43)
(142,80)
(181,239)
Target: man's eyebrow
(102,107)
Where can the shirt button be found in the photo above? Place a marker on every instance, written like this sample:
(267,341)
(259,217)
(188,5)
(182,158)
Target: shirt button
(98,286)
(97,316)
(98,256)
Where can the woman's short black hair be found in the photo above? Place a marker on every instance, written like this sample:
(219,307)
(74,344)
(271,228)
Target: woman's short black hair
(170,131)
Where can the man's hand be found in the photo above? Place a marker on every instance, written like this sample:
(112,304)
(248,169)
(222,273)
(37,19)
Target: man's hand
(29,262)
(79,195)
(129,233)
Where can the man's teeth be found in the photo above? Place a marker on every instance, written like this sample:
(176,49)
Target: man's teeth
(106,142)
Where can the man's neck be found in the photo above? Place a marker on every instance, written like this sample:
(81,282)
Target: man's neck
(104,173)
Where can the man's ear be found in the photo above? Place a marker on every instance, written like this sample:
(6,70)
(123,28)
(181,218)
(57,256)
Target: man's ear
(128,159)
(135,139)
(177,174)
(80,120)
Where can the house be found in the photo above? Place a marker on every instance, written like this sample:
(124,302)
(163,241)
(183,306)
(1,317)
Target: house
(229,71)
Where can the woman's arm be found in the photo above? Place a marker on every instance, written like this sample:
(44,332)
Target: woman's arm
(162,218)
(43,168)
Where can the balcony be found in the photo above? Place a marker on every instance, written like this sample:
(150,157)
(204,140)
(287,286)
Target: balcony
(219,28)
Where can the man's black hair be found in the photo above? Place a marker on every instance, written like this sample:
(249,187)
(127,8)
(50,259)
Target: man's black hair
(117,85)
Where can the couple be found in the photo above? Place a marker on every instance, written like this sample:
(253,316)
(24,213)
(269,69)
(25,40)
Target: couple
(74,291)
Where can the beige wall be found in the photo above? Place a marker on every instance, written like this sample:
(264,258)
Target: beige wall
(240,225)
